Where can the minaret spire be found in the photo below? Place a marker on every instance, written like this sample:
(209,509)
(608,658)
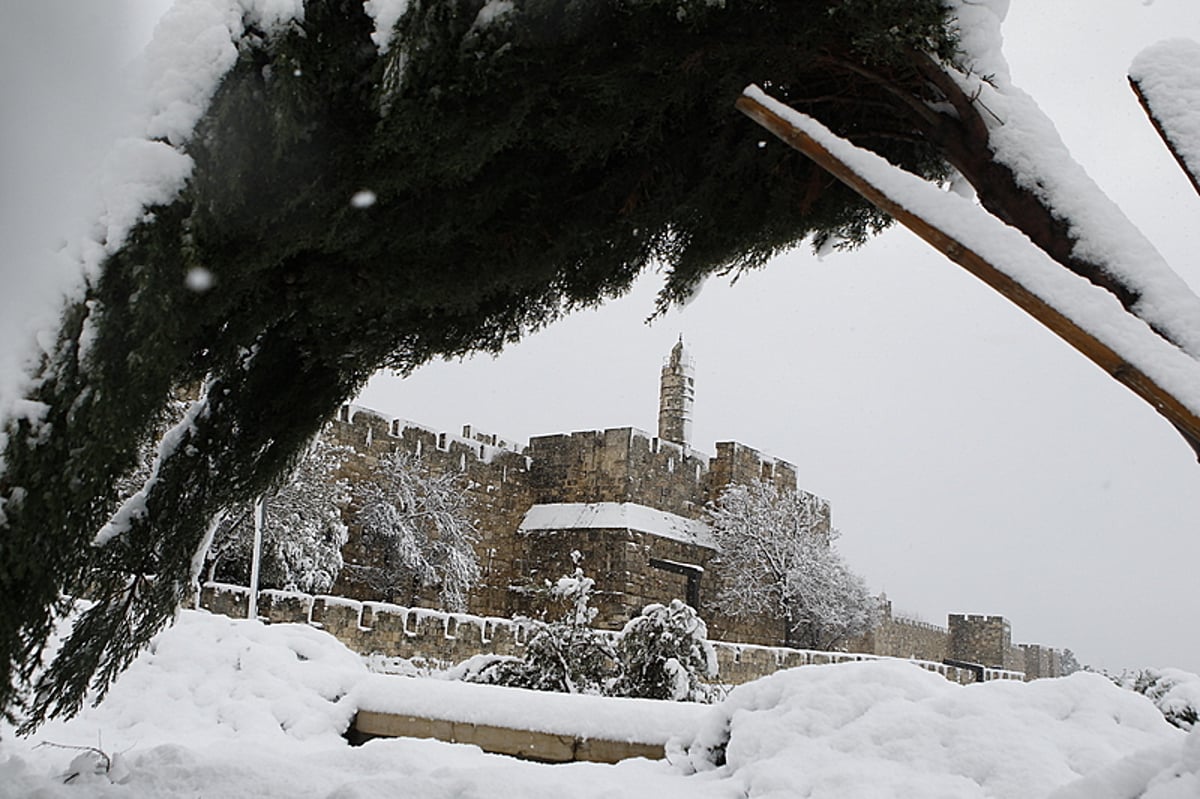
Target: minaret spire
(677,393)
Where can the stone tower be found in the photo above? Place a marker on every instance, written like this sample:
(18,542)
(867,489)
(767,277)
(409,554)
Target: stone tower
(677,393)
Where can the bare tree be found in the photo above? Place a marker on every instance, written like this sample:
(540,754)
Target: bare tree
(418,529)
(779,560)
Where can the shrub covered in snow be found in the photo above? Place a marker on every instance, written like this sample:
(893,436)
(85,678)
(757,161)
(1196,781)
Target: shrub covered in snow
(1173,691)
(566,655)
(665,654)
(661,654)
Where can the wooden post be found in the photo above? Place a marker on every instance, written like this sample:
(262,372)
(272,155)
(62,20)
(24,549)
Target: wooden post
(1184,420)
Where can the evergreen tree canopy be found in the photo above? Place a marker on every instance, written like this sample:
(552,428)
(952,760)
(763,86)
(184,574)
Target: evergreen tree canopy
(520,165)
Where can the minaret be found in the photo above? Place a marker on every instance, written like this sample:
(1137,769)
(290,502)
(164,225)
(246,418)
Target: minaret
(677,392)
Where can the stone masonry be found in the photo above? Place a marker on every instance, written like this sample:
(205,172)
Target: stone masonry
(438,639)
(656,488)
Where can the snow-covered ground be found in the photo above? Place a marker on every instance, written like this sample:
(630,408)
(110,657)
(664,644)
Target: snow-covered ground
(230,708)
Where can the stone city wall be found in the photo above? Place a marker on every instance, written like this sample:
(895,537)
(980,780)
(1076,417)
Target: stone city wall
(738,463)
(986,640)
(618,465)
(442,639)
(905,638)
(494,471)
(505,480)
(1041,661)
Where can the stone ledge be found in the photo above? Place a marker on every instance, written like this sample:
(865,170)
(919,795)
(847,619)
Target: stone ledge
(526,744)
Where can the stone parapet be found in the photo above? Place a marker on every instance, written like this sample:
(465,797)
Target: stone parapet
(442,639)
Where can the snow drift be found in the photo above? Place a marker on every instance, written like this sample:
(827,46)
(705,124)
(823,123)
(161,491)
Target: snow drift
(221,707)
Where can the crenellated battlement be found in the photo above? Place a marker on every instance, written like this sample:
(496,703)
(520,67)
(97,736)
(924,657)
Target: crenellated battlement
(634,560)
(738,463)
(361,428)
(441,639)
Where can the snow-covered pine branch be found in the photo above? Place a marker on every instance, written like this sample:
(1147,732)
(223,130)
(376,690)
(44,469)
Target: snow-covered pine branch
(1043,234)
(304,531)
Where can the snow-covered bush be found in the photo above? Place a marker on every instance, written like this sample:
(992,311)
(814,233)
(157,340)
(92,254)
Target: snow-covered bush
(567,655)
(665,654)
(1176,693)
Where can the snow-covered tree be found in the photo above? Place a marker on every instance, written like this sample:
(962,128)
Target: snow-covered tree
(326,187)
(665,654)
(778,559)
(303,531)
(418,532)
(1042,233)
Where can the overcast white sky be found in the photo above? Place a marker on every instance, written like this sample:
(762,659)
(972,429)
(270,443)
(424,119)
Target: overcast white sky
(975,463)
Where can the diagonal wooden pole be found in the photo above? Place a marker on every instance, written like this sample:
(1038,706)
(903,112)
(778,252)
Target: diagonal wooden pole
(1184,420)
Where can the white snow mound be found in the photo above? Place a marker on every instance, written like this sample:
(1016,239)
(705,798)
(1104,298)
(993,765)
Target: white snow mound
(887,729)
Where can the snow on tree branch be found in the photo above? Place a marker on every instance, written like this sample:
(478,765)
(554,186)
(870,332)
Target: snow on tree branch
(1021,137)
(778,555)
(1088,317)
(1166,78)
(418,529)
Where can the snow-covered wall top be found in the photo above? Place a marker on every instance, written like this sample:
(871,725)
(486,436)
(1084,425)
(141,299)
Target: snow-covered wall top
(616,516)
(486,445)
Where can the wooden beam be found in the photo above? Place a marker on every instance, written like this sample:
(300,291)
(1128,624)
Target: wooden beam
(1184,420)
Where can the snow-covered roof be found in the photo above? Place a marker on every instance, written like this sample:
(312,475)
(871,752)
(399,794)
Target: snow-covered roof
(616,516)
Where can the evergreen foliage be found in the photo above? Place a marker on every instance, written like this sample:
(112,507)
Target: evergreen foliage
(303,531)
(521,168)
(665,654)
(567,655)
(1176,693)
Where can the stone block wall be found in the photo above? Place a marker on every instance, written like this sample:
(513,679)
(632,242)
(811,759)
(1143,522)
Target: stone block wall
(615,465)
(738,463)
(986,640)
(443,639)
(628,465)
(495,473)
(1041,661)
(904,638)
(618,465)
